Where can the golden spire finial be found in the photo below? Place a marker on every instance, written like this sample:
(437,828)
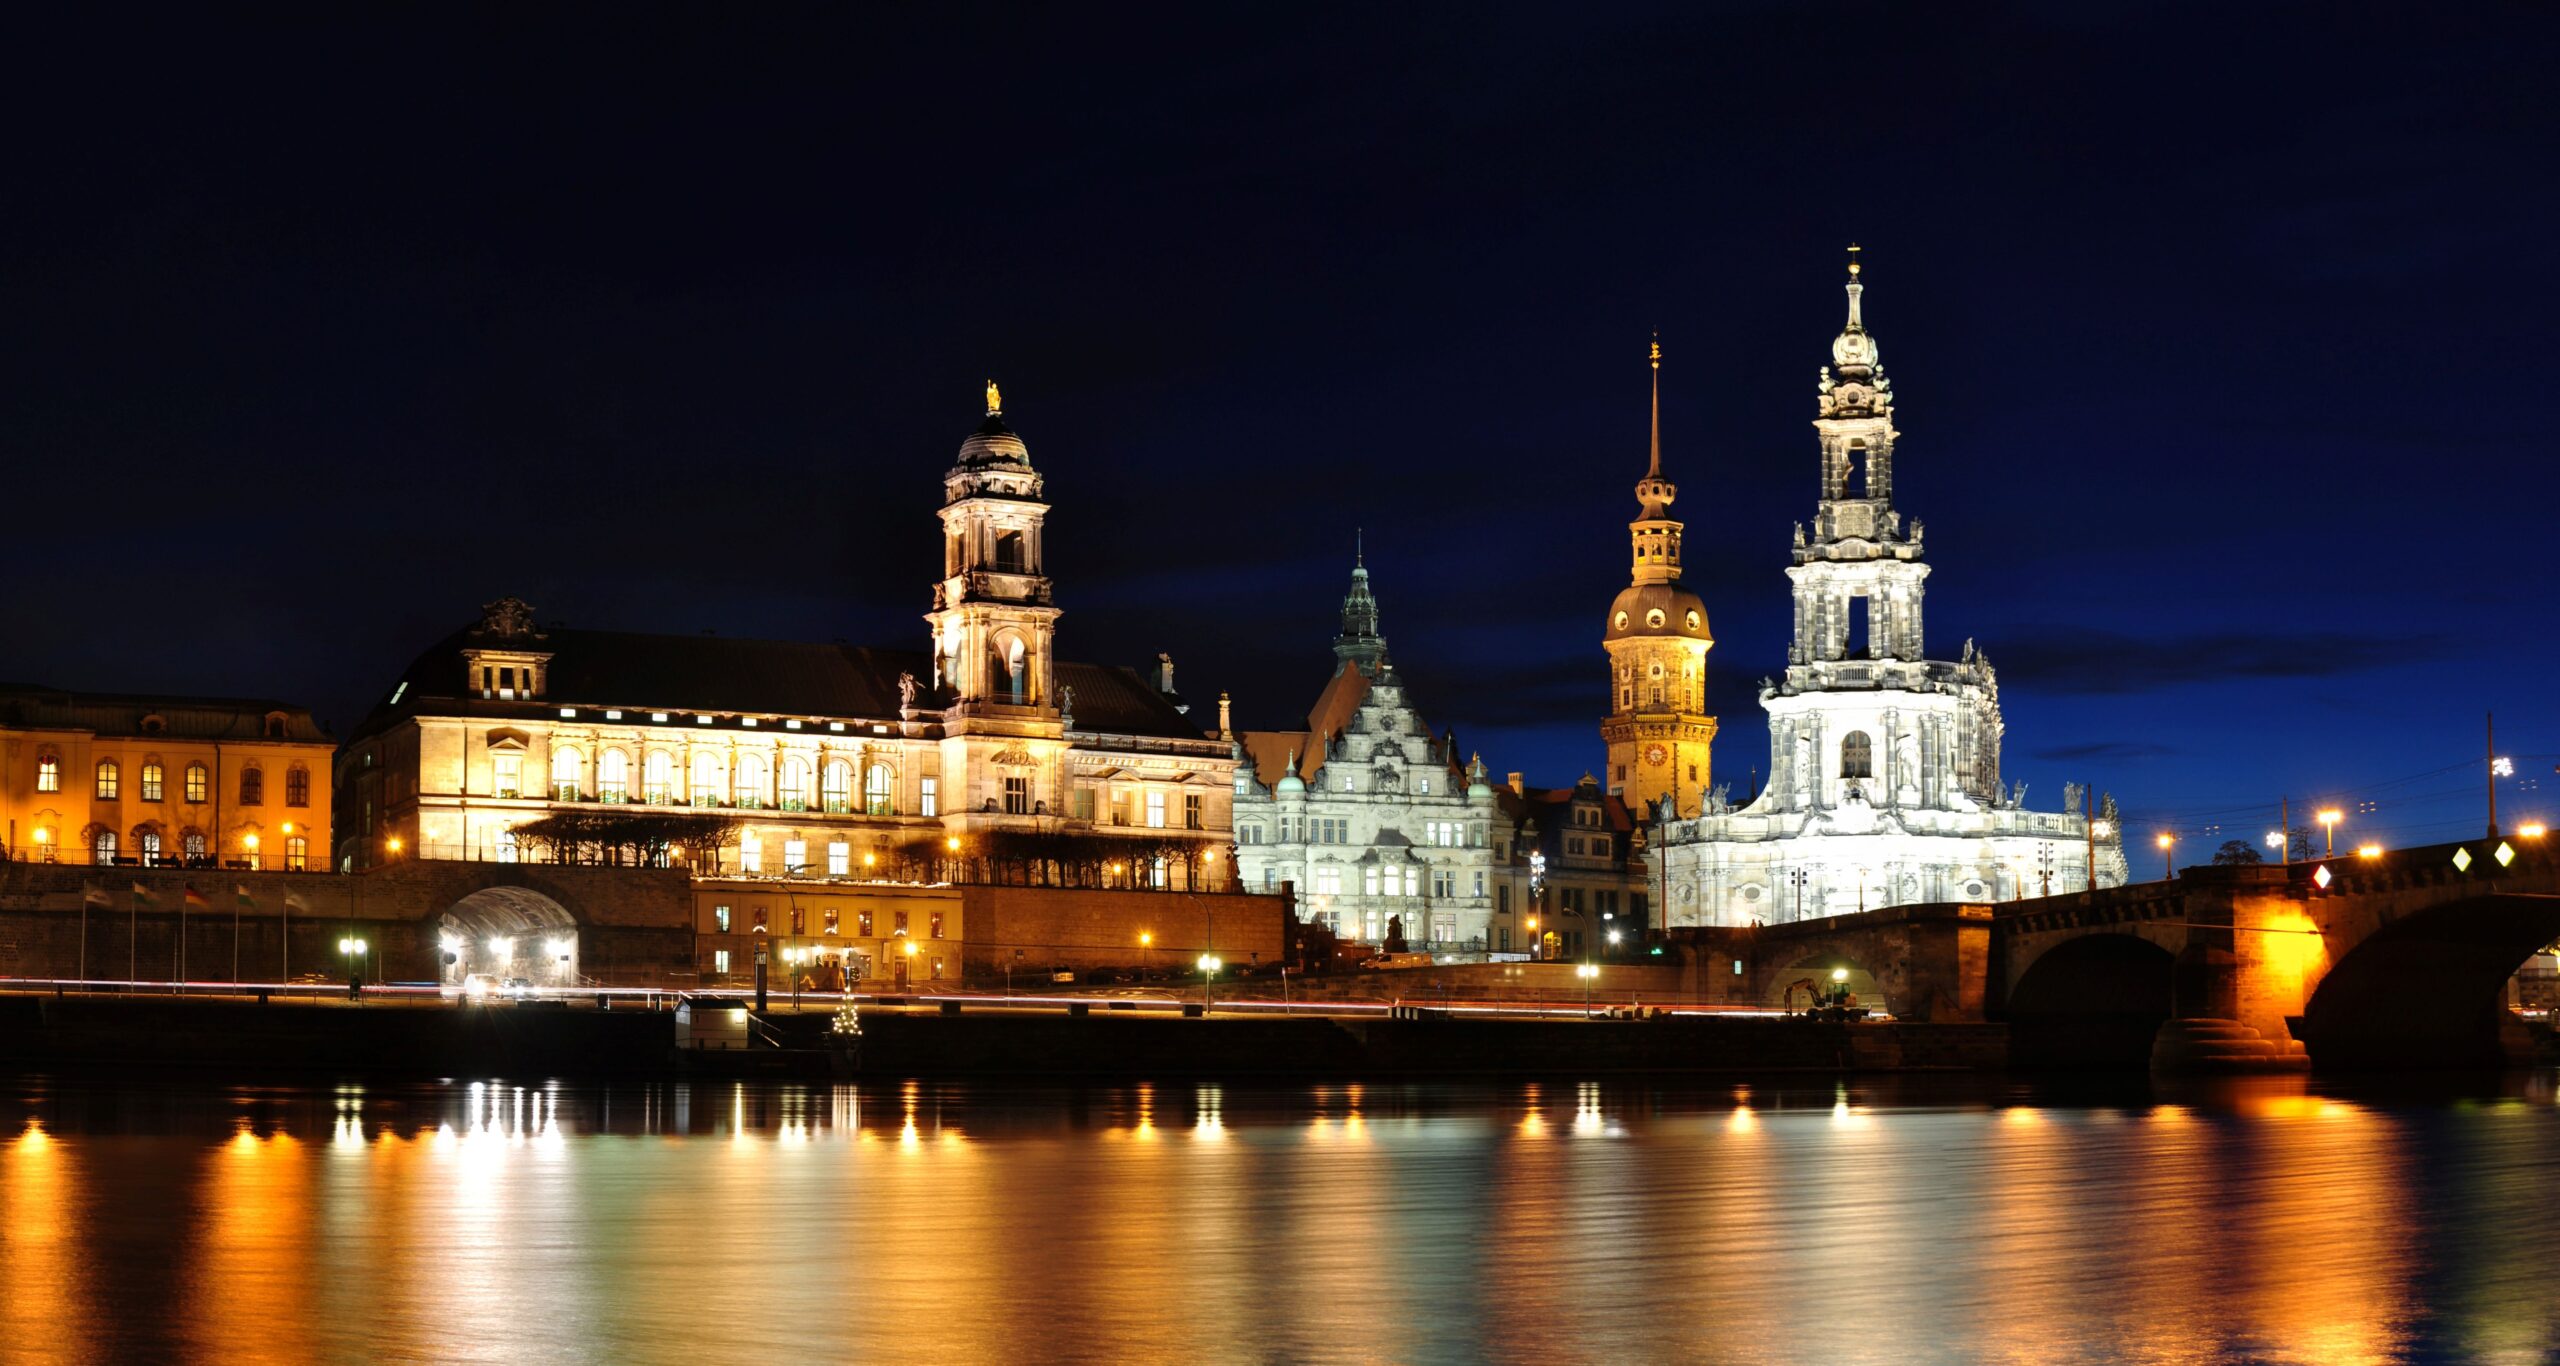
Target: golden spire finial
(1853,259)
(1654,471)
(995,399)
(1657,348)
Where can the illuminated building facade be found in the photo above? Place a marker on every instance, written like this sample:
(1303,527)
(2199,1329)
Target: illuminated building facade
(1884,765)
(823,754)
(150,781)
(1365,811)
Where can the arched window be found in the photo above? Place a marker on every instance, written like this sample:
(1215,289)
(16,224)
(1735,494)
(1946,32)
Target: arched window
(658,777)
(151,781)
(1017,674)
(750,780)
(146,842)
(613,777)
(102,847)
(710,779)
(879,791)
(192,843)
(838,790)
(1857,755)
(566,775)
(48,774)
(794,795)
(297,786)
(253,787)
(1009,556)
(199,783)
(110,780)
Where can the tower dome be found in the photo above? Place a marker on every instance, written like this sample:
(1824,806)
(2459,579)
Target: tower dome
(1853,349)
(994,443)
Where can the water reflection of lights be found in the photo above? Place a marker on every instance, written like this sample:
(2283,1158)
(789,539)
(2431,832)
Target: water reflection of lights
(1742,1121)
(1533,1120)
(33,1138)
(1586,1110)
(1210,1104)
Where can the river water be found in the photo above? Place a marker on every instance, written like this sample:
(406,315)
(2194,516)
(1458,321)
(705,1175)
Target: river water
(151,1219)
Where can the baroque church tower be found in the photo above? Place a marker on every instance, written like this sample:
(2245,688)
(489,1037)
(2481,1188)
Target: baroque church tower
(993,630)
(1656,634)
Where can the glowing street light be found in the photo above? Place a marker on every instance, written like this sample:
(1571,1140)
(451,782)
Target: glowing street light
(2329,831)
(1586,971)
(2276,841)
(352,949)
(2168,864)
(1209,965)
(2532,830)
(1146,939)
(2368,851)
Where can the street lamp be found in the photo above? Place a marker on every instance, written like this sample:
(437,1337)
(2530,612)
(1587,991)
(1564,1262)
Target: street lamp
(250,843)
(2329,832)
(1209,966)
(2532,830)
(393,844)
(352,949)
(1536,950)
(1840,987)
(2277,842)
(1586,971)
(2168,866)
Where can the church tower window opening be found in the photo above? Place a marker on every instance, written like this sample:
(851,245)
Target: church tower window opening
(1857,755)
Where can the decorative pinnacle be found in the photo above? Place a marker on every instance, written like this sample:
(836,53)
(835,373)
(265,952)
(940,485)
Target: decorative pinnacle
(995,399)
(1654,470)
(1360,548)
(1855,289)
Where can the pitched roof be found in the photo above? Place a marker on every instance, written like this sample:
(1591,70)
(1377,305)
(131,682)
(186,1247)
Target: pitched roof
(181,716)
(637,671)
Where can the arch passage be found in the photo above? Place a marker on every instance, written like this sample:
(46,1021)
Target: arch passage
(508,932)
(2095,1001)
(1809,979)
(2425,991)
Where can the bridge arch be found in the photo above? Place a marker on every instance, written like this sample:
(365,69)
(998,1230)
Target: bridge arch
(2096,1000)
(2425,990)
(1808,976)
(507,932)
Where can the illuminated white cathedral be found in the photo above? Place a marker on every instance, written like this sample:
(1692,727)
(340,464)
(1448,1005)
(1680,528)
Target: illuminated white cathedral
(1884,764)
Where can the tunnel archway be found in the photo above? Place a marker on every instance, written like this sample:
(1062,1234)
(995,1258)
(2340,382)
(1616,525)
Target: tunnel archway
(2427,991)
(1810,978)
(507,933)
(2093,1002)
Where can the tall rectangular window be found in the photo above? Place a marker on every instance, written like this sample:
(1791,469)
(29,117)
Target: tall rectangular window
(929,797)
(151,782)
(1119,806)
(751,853)
(862,923)
(832,921)
(110,780)
(297,786)
(799,921)
(839,858)
(49,774)
(297,854)
(720,961)
(508,779)
(936,930)
(795,856)
(720,919)
(1017,795)
(1080,803)
(901,923)
(1190,810)
(253,787)
(1155,810)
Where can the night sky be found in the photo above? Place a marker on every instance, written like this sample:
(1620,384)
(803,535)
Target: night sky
(2218,335)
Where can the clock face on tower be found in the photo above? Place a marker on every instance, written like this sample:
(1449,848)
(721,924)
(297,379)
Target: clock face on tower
(1655,754)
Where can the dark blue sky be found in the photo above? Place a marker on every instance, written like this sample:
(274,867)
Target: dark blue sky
(2218,333)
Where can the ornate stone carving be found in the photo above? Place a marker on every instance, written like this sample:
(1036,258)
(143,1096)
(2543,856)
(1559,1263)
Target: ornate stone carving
(507,619)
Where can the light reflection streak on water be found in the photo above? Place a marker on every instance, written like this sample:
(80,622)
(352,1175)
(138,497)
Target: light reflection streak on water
(527,1221)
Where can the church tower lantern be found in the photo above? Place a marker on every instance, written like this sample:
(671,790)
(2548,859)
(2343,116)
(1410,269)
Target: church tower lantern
(1658,731)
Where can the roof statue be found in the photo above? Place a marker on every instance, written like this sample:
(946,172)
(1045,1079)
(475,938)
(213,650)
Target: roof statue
(995,400)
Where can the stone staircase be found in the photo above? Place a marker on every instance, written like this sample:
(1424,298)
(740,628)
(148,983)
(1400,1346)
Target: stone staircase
(2207,1045)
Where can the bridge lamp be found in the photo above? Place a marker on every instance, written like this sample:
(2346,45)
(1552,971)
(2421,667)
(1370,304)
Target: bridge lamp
(353,948)
(502,946)
(1840,974)
(1146,939)
(951,843)
(2329,830)
(2368,851)
(2532,830)
(1615,936)
(2275,841)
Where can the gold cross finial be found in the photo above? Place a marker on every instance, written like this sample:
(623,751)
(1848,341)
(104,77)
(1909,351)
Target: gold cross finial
(1853,258)
(995,399)
(1657,349)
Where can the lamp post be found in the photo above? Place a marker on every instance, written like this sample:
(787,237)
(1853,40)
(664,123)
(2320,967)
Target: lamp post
(2168,869)
(1586,971)
(1209,966)
(352,949)
(2284,848)
(1840,987)
(911,963)
(2329,832)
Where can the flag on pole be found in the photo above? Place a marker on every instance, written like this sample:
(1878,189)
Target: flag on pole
(91,894)
(142,896)
(196,900)
(293,902)
(247,902)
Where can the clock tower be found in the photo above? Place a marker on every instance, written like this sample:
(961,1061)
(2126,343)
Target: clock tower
(1657,731)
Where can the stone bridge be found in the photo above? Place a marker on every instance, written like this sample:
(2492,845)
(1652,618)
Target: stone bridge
(2398,960)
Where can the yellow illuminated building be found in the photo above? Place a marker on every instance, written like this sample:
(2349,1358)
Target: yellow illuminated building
(127,780)
(1658,730)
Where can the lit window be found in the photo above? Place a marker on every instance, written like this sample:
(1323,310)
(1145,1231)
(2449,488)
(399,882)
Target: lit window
(658,777)
(878,794)
(1155,810)
(720,961)
(837,791)
(297,786)
(710,779)
(102,847)
(1329,881)
(150,782)
(929,800)
(147,844)
(831,920)
(793,795)
(48,774)
(750,780)
(1190,810)
(751,853)
(192,843)
(110,780)
(566,762)
(862,923)
(1017,794)
(720,919)
(936,925)
(795,856)
(839,858)
(568,712)
(613,776)
(297,850)
(507,775)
